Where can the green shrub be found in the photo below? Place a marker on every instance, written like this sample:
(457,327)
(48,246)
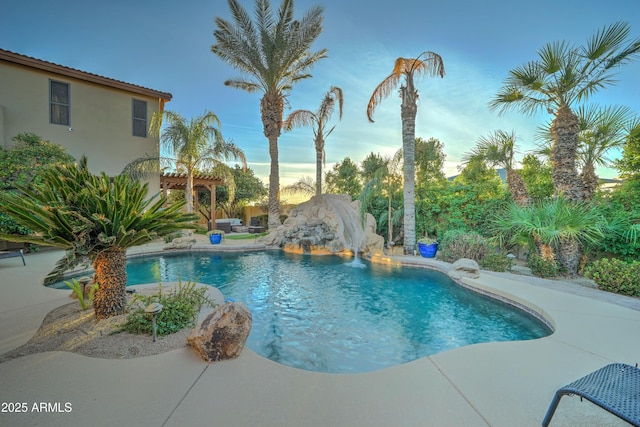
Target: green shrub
(456,244)
(169,237)
(615,275)
(496,262)
(542,267)
(180,307)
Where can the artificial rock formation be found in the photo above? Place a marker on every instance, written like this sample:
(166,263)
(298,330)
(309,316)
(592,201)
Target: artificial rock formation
(464,267)
(329,223)
(223,333)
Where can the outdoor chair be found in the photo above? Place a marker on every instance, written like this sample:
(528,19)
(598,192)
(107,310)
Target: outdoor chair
(11,254)
(614,388)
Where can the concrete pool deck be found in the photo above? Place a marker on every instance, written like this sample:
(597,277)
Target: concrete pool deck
(491,384)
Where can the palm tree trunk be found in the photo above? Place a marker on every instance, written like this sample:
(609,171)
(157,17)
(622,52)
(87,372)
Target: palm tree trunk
(408,110)
(188,193)
(589,182)
(569,255)
(517,188)
(111,275)
(271,110)
(565,128)
(319,161)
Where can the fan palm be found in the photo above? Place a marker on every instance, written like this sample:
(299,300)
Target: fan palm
(318,121)
(190,146)
(428,63)
(275,53)
(562,76)
(93,218)
(600,131)
(561,225)
(498,149)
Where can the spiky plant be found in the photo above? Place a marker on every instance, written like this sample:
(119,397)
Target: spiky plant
(93,218)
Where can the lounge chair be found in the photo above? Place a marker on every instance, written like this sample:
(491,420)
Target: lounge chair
(614,388)
(11,254)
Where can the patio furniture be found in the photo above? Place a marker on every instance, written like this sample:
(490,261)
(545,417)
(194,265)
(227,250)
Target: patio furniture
(614,388)
(11,254)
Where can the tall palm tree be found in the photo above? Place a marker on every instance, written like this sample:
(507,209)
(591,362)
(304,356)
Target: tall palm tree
(498,149)
(562,76)
(318,121)
(601,129)
(93,218)
(388,180)
(190,146)
(275,53)
(428,63)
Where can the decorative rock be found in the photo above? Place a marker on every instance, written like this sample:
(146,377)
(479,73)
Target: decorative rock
(182,243)
(223,333)
(464,267)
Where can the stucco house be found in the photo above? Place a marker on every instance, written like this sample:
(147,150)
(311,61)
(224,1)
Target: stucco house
(105,119)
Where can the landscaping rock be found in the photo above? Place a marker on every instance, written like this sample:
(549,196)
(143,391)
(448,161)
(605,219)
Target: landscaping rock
(223,333)
(464,267)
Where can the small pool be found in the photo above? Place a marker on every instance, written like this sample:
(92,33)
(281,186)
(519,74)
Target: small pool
(327,314)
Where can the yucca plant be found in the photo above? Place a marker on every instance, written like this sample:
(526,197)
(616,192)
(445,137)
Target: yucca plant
(93,218)
(558,228)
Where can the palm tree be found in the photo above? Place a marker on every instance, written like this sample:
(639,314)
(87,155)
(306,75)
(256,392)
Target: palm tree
(387,179)
(498,149)
(431,64)
(275,53)
(304,187)
(601,129)
(190,146)
(558,226)
(93,218)
(318,121)
(562,76)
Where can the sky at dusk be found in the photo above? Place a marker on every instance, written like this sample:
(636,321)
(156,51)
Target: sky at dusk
(165,45)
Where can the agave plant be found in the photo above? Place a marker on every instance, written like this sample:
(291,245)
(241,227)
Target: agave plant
(557,228)
(93,218)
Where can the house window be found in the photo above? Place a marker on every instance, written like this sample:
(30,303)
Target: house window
(139,118)
(59,103)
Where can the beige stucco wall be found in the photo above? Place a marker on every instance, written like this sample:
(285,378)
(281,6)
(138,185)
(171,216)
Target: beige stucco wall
(101,118)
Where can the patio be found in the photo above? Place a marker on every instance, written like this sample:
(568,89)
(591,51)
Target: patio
(492,384)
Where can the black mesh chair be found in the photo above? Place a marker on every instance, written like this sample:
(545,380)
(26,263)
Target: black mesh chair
(614,388)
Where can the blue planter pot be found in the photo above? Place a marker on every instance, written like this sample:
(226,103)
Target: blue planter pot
(215,239)
(428,250)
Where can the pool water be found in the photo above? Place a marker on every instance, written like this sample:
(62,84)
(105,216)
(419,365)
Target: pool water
(329,314)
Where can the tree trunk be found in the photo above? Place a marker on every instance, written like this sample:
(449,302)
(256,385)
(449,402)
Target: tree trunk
(408,110)
(565,128)
(271,110)
(188,192)
(517,188)
(589,182)
(111,275)
(319,160)
(569,255)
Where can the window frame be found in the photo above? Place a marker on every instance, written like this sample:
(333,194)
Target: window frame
(53,104)
(138,120)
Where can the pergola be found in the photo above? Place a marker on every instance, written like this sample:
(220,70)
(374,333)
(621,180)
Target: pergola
(178,181)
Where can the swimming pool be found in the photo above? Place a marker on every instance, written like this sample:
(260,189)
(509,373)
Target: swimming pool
(327,314)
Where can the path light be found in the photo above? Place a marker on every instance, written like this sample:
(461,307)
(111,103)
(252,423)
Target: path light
(84,281)
(153,309)
(511,258)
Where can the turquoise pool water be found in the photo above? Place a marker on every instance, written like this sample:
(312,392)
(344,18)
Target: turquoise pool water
(327,314)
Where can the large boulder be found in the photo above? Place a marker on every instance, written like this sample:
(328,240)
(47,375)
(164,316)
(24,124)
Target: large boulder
(327,224)
(464,267)
(222,334)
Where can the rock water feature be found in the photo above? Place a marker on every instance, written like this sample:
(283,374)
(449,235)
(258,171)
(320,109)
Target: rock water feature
(327,224)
